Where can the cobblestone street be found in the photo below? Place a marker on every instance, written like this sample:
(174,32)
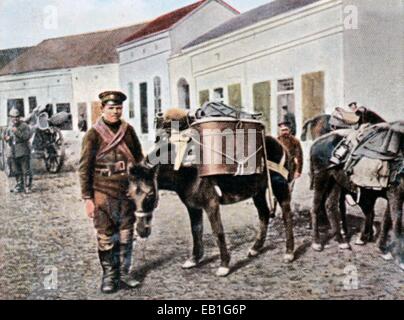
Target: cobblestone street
(48,251)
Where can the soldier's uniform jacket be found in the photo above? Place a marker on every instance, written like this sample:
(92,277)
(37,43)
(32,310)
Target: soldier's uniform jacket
(19,145)
(107,174)
(295,151)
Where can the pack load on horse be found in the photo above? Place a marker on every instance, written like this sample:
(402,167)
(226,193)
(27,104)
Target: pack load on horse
(175,165)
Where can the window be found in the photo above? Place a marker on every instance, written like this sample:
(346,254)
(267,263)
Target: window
(234,91)
(144,119)
(157,95)
(262,101)
(131,94)
(286,98)
(203,97)
(218,95)
(32,103)
(65,107)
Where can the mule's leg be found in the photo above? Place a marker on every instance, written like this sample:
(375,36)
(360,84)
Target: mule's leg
(396,210)
(319,194)
(367,204)
(196,218)
(261,204)
(385,228)
(282,194)
(213,212)
(332,206)
(342,210)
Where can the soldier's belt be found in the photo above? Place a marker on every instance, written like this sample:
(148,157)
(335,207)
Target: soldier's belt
(111,169)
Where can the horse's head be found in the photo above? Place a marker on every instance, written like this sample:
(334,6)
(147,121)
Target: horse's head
(144,193)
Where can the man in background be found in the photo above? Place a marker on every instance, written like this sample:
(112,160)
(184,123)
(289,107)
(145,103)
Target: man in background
(294,148)
(17,136)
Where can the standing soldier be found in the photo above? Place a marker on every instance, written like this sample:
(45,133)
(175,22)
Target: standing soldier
(294,147)
(108,148)
(17,136)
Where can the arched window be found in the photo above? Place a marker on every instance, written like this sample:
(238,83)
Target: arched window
(157,94)
(183,94)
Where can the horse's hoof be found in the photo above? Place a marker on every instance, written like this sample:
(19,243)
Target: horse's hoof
(317,247)
(387,257)
(288,258)
(252,253)
(190,263)
(344,246)
(223,272)
(359,242)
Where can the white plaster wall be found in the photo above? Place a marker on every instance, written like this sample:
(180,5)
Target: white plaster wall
(285,47)
(373,57)
(141,62)
(199,22)
(89,82)
(48,87)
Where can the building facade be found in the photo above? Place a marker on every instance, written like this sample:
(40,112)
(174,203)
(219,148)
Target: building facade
(309,55)
(143,66)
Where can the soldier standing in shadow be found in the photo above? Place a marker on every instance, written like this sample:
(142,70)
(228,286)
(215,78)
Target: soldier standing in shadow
(17,136)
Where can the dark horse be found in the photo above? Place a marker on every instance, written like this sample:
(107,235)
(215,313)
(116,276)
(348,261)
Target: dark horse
(200,194)
(331,186)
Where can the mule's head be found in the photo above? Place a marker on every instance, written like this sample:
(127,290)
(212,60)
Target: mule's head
(144,193)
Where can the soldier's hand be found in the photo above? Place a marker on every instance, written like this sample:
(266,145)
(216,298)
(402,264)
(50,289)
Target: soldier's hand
(14,129)
(297,175)
(90,208)
(6,138)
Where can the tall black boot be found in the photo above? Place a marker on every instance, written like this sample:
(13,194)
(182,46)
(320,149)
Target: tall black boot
(19,187)
(125,263)
(110,266)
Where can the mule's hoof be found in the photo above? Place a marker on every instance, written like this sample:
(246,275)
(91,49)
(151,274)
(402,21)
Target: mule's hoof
(288,258)
(387,257)
(317,247)
(223,272)
(359,242)
(190,263)
(252,253)
(344,246)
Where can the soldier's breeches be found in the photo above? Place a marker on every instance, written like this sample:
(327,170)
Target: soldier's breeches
(23,166)
(113,220)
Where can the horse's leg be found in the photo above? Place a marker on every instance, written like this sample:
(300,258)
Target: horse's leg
(213,212)
(282,194)
(196,218)
(261,204)
(333,214)
(396,210)
(367,204)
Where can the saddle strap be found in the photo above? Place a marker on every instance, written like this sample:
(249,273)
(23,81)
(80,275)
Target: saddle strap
(279,167)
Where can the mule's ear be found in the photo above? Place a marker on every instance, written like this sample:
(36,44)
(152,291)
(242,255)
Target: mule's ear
(129,168)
